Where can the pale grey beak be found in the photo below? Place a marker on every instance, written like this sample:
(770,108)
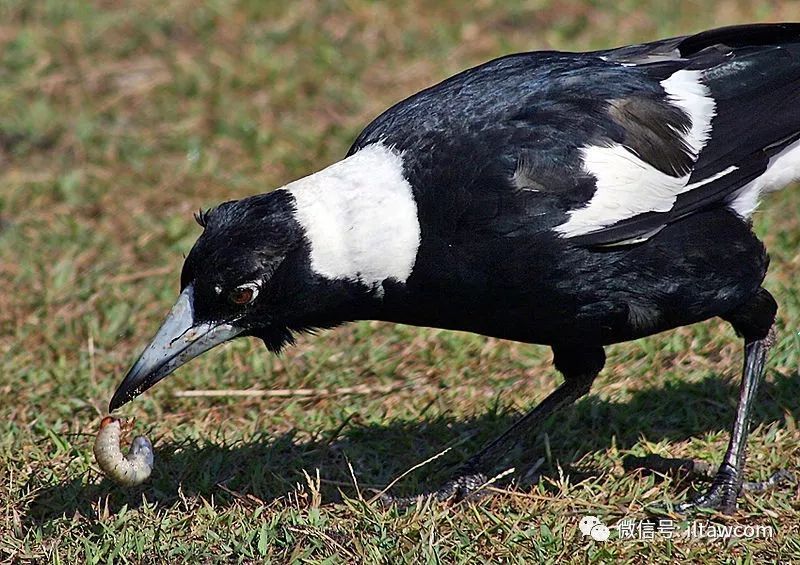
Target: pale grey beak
(178,340)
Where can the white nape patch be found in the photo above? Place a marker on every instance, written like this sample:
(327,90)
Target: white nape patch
(360,217)
(626,184)
(783,169)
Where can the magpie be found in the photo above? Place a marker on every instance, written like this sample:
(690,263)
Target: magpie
(573,200)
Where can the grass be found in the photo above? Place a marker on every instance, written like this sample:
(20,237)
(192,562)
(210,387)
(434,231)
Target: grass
(117,122)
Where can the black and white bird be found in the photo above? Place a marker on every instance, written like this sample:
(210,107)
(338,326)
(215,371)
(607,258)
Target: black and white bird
(573,200)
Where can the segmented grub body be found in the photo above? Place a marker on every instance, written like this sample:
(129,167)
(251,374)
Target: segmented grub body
(127,470)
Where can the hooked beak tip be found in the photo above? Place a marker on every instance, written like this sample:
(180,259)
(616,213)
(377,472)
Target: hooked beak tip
(122,396)
(117,401)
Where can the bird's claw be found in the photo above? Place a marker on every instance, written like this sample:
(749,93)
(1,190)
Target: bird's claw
(458,489)
(720,497)
(723,492)
(462,487)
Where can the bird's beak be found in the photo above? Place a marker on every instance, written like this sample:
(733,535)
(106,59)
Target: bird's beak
(180,339)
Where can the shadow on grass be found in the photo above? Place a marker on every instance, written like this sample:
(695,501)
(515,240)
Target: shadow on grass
(267,468)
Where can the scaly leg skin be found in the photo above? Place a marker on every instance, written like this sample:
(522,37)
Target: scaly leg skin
(579,367)
(755,323)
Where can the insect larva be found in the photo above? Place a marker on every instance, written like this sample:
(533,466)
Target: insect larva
(128,470)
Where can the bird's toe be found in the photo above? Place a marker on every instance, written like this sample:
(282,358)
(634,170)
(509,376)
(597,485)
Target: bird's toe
(455,490)
(778,479)
(717,498)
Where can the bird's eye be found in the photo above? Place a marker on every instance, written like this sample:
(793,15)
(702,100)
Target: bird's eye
(243,294)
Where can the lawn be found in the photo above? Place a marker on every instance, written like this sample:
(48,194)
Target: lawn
(118,120)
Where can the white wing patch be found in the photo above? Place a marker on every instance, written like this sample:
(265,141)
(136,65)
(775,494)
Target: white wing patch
(627,185)
(360,218)
(685,90)
(783,169)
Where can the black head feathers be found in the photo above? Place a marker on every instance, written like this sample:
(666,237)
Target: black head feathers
(201,217)
(244,235)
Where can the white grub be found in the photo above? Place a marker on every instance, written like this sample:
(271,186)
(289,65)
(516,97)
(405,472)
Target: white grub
(128,470)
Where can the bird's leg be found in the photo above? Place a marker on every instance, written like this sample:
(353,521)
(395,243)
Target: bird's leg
(579,366)
(754,322)
(728,480)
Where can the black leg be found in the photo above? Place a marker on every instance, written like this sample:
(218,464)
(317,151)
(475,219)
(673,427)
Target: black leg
(579,366)
(754,322)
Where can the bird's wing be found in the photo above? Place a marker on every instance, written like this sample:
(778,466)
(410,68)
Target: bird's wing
(740,89)
(607,147)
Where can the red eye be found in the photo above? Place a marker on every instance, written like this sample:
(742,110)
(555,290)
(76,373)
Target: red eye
(242,295)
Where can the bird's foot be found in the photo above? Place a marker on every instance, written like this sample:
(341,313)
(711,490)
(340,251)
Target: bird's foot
(780,478)
(723,492)
(721,497)
(455,490)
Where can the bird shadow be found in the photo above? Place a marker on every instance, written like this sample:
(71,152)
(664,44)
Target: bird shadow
(355,458)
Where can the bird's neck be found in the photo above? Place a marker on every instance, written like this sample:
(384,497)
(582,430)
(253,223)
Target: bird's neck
(360,219)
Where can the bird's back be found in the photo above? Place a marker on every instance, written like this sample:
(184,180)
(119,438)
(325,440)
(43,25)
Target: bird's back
(606,193)
(603,147)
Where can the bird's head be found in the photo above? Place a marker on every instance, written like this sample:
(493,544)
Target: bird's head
(240,278)
(320,251)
